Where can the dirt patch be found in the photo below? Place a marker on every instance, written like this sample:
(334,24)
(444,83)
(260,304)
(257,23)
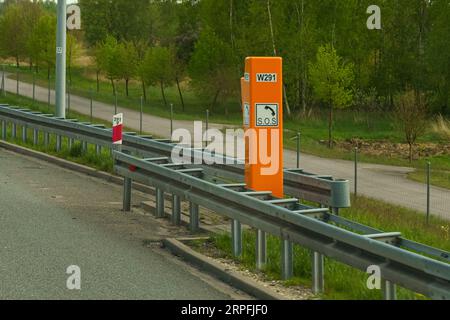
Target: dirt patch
(398,150)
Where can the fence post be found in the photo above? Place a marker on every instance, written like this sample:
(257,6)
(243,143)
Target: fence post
(34,87)
(91,104)
(287,253)
(17,81)
(317,273)
(428,191)
(141,115)
(356,172)
(236,238)
(171,120)
(261,249)
(176,210)
(115,103)
(207,126)
(127,194)
(3,81)
(49,98)
(298,150)
(194,223)
(68,96)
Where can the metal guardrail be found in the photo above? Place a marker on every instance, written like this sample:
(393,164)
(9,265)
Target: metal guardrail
(323,190)
(292,222)
(404,262)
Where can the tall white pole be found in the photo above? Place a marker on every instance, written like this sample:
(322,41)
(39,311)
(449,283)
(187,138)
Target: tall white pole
(61,60)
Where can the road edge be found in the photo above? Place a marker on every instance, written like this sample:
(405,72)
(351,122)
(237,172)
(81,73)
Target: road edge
(212,267)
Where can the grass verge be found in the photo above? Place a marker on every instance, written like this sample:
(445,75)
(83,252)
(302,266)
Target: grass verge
(341,281)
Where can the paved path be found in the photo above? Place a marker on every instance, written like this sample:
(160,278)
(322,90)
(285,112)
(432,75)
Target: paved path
(387,183)
(52,218)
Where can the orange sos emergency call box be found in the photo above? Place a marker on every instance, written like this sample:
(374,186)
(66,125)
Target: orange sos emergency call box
(262,107)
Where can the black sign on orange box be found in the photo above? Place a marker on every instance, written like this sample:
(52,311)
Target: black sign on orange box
(262,107)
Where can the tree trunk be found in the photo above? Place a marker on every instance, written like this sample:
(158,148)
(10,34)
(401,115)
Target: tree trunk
(163,94)
(17,62)
(330,127)
(180,93)
(127,82)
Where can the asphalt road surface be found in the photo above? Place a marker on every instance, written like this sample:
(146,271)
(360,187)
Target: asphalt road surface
(387,183)
(52,218)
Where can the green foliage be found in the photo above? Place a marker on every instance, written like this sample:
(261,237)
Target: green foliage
(110,59)
(211,68)
(158,68)
(331,78)
(12,33)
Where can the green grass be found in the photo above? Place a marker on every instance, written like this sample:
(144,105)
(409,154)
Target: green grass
(349,124)
(341,281)
(439,178)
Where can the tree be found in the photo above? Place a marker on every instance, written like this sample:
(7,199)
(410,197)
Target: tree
(109,60)
(411,115)
(46,39)
(331,80)
(158,68)
(127,68)
(12,33)
(211,68)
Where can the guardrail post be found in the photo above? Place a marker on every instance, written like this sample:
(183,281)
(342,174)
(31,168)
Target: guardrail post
(127,194)
(317,273)
(58,143)
(35,137)
(14,131)
(176,210)
(335,211)
(261,249)
(389,290)
(4,130)
(46,139)
(287,265)
(194,219)
(84,146)
(24,133)
(159,203)
(236,238)
(71,141)
(98,149)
